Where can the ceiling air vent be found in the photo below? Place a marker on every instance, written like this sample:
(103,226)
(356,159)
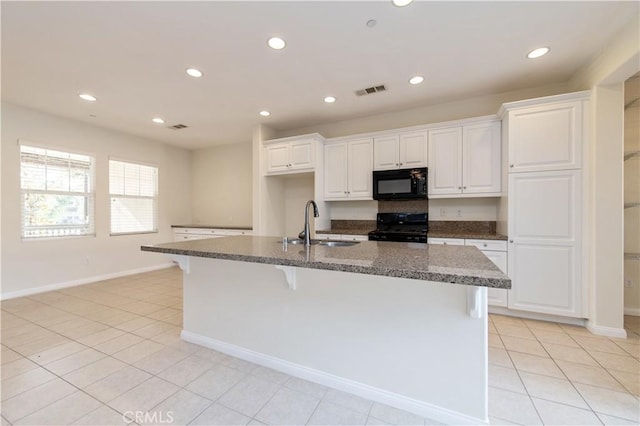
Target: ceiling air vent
(371,90)
(177,127)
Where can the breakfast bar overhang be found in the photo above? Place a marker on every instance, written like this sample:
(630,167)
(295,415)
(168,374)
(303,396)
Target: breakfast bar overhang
(403,324)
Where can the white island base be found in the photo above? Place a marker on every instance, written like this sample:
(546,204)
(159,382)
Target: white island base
(406,343)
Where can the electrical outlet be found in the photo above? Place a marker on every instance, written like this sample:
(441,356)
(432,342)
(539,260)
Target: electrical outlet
(443,212)
(459,213)
(628,283)
(86,260)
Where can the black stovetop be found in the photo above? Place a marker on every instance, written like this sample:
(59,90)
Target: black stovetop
(411,227)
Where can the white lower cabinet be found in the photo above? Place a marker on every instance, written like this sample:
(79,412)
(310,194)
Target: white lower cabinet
(496,251)
(446,241)
(186,234)
(545,242)
(344,237)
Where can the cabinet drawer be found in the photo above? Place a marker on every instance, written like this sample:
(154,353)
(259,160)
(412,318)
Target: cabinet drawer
(354,237)
(488,245)
(446,241)
(199,231)
(231,232)
(327,237)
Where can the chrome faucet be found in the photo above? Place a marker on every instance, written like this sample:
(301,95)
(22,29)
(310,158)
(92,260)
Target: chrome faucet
(306,233)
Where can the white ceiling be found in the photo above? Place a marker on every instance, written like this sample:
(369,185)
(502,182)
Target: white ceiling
(132,57)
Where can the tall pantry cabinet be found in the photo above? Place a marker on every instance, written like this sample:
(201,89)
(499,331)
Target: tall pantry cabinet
(545,140)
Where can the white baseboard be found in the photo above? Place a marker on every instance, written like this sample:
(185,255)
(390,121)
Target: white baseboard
(81,281)
(606,331)
(537,316)
(420,408)
(632,311)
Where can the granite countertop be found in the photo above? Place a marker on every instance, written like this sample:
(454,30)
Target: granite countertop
(449,264)
(244,228)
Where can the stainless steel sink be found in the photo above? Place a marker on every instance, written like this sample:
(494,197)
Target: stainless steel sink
(300,241)
(327,243)
(339,243)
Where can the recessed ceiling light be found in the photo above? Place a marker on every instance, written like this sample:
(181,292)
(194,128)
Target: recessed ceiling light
(401,3)
(330,99)
(87,97)
(194,72)
(158,120)
(265,113)
(536,53)
(416,80)
(276,43)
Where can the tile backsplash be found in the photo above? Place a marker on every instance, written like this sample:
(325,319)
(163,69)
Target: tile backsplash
(403,206)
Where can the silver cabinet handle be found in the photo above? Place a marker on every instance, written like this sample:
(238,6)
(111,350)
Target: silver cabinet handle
(511,241)
(401,164)
(485,244)
(459,187)
(464,187)
(511,165)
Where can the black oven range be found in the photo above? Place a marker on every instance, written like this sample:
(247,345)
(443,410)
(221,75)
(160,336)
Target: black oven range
(402,227)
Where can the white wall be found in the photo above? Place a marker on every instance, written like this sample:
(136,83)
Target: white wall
(31,265)
(632,195)
(475,106)
(605,75)
(221,183)
(298,190)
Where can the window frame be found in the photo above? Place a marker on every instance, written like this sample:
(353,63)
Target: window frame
(154,198)
(90,195)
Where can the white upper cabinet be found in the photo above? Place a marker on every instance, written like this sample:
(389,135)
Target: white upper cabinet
(464,161)
(546,137)
(291,155)
(403,151)
(481,158)
(348,170)
(386,153)
(445,155)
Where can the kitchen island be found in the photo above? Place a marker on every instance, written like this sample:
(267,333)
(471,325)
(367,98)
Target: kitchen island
(399,323)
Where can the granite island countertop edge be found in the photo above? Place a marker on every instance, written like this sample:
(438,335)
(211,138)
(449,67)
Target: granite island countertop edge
(478,278)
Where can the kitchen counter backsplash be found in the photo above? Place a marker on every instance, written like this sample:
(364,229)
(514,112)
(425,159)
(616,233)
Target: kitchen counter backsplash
(437,229)
(350,227)
(463,227)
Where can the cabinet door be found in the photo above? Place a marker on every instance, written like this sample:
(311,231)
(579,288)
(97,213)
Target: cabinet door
(335,171)
(277,157)
(481,158)
(385,153)
(546,137)
(413,150)
(544,242)
(445,151)
(301,155)
(497,296)
(360,169)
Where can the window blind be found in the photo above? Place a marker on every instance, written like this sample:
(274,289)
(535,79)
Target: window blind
(57,191)
(133,190)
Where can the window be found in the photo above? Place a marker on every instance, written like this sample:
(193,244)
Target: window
(57,190)
(134,190)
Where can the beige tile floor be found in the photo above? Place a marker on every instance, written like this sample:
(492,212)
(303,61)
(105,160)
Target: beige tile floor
(89,354)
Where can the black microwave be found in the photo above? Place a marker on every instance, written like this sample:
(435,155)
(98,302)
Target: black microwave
(404,184)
